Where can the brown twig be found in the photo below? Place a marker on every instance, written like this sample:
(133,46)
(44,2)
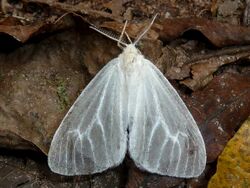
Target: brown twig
(235,50)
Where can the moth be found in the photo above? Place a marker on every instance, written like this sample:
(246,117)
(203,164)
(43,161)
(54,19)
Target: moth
(129,105)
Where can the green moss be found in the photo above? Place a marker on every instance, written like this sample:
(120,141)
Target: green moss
(62,94)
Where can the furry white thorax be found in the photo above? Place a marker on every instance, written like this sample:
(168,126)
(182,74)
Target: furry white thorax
(130,57)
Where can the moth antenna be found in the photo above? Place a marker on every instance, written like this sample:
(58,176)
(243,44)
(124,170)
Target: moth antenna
(109,35)
(146,30)
(120,38)
(128,38)
(67,13)
(61,17)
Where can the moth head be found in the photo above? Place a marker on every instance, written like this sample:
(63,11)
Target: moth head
(130,49)
(130,54)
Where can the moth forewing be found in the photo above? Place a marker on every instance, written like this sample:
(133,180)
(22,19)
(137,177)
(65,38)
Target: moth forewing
(164,137)
(91,137)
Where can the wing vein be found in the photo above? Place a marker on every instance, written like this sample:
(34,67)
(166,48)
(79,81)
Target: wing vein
(98,111)
(91,147)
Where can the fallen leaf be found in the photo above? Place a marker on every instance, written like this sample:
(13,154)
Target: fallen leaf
(87,8)
(98,8)
(40,81)
(22,32)
(203,69)
(220,108)
(233,168)
(116,7)
(219,34)
(196,69)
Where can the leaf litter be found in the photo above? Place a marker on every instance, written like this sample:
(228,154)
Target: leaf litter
(57,57)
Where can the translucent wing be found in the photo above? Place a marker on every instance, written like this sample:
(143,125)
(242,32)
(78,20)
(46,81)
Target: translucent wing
(92,136)
(163,136)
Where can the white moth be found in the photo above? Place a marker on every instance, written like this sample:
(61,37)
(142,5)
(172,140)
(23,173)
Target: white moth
(128,105)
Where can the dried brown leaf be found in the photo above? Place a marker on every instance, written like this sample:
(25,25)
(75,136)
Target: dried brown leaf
(14,28)
(220,108)
(116,7)
(203,69)
(40,81)
(219,34)
(24,31)
(196,69)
